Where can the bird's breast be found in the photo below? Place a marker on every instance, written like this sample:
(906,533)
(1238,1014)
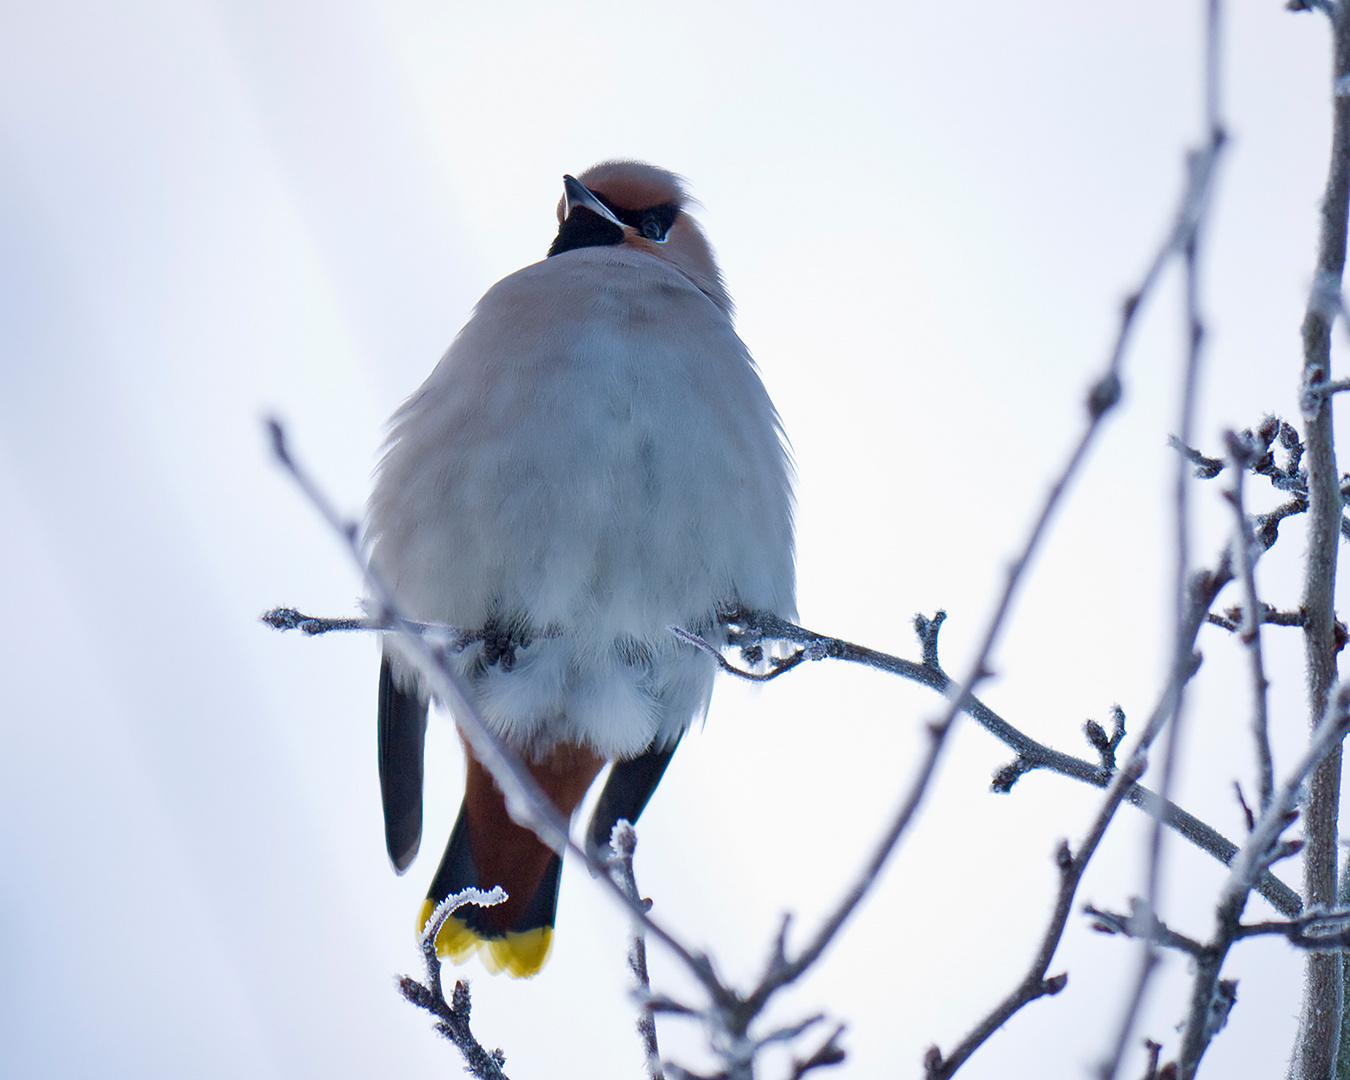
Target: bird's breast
(595,447)
(593,460)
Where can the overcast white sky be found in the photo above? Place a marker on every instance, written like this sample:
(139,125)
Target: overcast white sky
(928,215)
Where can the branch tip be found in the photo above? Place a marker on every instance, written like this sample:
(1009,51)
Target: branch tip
(1064,856)
(276,434)
(1003,780)
(927,631)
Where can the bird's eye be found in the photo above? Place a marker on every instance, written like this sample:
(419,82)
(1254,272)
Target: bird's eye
(653,223)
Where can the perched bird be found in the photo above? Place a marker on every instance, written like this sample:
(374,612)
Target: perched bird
(593,461)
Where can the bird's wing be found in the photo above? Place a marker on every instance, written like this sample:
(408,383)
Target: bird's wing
(625,794)
(402,737)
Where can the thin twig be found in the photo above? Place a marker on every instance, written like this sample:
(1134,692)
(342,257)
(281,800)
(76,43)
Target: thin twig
(1206,468)
(1326,7)
(1233,618)
(1244,542)
(1153,1050)
(1104,396)
(829,1053)
(1261,848)
(288,618)
(1318,929)
(1140,923)
(1201,164)
(622,845)
(1329,388)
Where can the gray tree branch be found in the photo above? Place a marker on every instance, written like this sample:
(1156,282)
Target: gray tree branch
(1316,1049)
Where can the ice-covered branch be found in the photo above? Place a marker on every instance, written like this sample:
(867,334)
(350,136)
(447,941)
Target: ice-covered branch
(452,1017)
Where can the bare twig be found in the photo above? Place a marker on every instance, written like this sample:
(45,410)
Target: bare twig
(287,618)
(1244,543)
(622,844)
(1153,1050)
(1318,929)
(1206,468)
(1261,848)
(1267,525)
(453,1016)
(452,637)
(1141,923)
(829,1053)
(1232,619)
(1288,477)
(1327,7)
(1246,810)
(1103,397)
(1329,388)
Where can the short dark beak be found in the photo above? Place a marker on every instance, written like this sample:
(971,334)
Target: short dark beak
(575,194)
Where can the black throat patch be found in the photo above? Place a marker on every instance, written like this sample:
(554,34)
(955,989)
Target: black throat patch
(583,227)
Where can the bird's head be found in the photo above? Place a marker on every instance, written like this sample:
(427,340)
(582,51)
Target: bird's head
(631,204)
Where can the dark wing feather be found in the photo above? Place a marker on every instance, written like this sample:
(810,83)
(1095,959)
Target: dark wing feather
(625,795)
(402,737)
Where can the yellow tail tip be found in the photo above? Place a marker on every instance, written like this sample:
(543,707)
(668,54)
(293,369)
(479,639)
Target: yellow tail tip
(519,953)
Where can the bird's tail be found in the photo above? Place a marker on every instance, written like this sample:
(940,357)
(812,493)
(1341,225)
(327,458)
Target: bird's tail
(487,848)
(520,945)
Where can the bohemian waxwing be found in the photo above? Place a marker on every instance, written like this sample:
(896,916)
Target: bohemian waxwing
(593,461)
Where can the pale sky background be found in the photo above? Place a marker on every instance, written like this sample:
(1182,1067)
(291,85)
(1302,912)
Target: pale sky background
(928,215)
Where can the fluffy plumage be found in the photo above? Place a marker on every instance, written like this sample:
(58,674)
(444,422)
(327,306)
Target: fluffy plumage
(593,460)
